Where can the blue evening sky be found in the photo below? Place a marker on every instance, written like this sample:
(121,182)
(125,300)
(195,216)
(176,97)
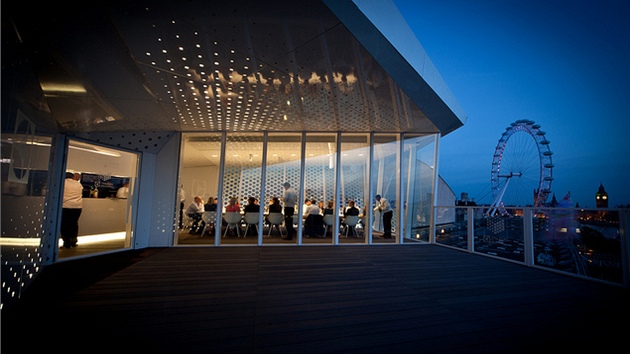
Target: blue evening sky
(563,64)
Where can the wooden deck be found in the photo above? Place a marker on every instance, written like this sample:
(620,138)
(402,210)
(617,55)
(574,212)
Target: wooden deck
(311,299)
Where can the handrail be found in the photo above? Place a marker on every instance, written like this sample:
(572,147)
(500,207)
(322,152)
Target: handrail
(587,243)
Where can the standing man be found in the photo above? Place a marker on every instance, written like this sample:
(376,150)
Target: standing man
(182,200)
(383,206)
(71,209)
(289,199)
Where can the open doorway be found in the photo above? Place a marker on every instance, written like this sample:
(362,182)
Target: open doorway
(108,180)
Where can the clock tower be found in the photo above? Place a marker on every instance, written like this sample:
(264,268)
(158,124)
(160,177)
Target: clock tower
(601,197)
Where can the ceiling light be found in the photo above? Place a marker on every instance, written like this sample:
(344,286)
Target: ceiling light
(48,87)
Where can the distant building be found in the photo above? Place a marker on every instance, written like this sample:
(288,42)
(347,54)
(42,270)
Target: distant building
(460,216)
(601,197)
(464,201)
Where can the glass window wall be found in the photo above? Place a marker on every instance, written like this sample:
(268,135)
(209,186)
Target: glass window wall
(321,168)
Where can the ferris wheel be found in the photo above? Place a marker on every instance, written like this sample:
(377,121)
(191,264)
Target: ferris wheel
(521,168)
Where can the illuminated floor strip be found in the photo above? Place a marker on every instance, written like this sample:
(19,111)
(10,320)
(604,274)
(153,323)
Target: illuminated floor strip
(81,240)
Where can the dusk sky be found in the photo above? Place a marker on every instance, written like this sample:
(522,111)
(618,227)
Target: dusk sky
(563,64)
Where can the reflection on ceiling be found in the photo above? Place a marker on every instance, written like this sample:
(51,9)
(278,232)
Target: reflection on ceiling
(203,150)
(199,66)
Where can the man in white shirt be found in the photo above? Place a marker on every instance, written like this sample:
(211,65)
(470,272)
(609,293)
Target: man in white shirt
(182,200)
(71,209)
(383,206)
(289,199)
(123,191)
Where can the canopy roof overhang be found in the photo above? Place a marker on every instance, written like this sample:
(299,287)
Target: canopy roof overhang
(203,66)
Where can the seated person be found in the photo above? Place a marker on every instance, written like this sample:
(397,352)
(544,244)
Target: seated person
(274,207)
(194,211)
(350,210)
(251,206)
(314,223)
(311,208)
(362,216)
(329,208)
(211,205)
(233,206)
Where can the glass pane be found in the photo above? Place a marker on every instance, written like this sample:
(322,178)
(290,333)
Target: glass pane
(24,175)
(385,174)
(319,182)
(283,165)
(455,233)
(242,179)
(585,242)
(354,187)
(418,166)
(199,176)
(500,235)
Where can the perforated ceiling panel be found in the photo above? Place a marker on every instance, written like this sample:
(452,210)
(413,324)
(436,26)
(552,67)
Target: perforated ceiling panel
(212,66)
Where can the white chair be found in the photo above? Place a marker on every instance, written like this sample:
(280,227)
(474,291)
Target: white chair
(296,219)
(210,218)
(251,219)
(187,222)
(329,221)
(275,219)
(232,218)
(361,225)
(351,222)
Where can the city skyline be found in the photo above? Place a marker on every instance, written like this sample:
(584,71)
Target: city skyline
(562,65)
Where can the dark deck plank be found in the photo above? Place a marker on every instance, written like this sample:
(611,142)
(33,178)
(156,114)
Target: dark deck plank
(315,299)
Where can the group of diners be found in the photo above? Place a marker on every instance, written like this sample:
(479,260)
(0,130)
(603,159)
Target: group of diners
(313,213)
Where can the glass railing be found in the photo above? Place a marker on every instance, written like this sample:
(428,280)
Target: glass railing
(588,243)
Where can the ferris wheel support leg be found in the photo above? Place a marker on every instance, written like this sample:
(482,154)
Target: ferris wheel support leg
(498,200)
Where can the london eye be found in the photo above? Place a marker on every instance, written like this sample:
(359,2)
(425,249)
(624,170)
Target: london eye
(521,168)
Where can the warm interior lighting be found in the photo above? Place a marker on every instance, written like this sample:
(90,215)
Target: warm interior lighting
(81,240)
(95,149)
(49,87)
(84,240)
